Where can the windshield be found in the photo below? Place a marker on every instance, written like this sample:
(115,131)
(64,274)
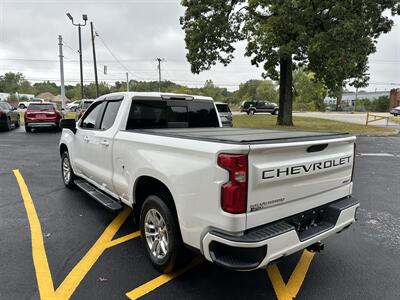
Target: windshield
(39,106)
(86,105)
(4,106)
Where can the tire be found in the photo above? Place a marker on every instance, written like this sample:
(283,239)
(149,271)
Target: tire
(275,112)
(252,112)
(8,124)
(21,106)
(67,173)
(164,237)
(28,129)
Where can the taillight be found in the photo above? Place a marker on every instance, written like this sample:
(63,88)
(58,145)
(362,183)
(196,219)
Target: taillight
(354,162)
(234,192)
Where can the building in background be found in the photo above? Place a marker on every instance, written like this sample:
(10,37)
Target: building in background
(349,98)
(394,99)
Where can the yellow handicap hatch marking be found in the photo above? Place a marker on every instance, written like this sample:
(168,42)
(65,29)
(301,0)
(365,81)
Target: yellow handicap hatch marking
(105,241)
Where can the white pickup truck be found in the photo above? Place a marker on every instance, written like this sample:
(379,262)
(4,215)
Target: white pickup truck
(242,197)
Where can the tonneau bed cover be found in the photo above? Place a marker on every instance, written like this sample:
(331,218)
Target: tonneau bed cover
(242,135)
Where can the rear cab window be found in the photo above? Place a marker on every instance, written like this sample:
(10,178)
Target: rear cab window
(147,114)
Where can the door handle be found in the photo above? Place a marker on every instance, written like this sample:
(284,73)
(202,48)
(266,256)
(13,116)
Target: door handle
(105,143)
(86,139)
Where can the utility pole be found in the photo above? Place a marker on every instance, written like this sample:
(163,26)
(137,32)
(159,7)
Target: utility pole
(159,73)
(127,82)
(94,61)
(84,17)
(60,49)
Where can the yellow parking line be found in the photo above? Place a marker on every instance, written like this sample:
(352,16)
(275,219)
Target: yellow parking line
(299,273)
(71,282)
(291,289)
(43,275)
(123,239)
(160,280)
(277,283)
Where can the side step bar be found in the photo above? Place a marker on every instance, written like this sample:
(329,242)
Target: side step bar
(105,200)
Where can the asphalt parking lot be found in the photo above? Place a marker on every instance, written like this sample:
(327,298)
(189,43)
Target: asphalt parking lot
(58,243)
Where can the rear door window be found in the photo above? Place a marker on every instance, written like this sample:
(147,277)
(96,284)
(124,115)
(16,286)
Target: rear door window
(110,114)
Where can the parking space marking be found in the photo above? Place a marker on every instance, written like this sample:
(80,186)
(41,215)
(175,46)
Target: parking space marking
(290,290)
(161,280)
(299,273)
(73,279)
(123,239)
(41,265)
(43,275)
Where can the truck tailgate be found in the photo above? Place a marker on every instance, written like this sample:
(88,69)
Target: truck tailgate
(288,178)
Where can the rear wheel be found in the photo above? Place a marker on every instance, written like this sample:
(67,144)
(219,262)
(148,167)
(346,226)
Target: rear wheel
(275,112)
(68,174)
(160,234)
(22,106)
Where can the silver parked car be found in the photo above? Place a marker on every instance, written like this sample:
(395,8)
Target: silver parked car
(225,114)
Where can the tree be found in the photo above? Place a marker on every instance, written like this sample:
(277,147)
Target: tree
(46,86)
(257,90)
(325,34)
(13,83)
(309,93)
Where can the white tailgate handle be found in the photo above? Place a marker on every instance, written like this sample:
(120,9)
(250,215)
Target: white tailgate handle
(86,139)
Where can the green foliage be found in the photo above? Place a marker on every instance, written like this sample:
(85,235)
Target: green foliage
(257,90)
(46,86)
(332,38)
(13,83)
(309,93)
(378,105)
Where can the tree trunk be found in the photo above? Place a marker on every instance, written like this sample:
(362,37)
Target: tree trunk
(339,98)
(285,92)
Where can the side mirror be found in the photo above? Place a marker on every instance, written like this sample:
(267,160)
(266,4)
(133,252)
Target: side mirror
(68,124)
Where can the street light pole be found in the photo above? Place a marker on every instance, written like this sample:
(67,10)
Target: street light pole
(94,61)
(84,17)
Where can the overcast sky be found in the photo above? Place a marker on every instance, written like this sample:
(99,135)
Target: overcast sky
(137,32)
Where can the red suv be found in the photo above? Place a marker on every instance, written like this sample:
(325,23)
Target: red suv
(41,115)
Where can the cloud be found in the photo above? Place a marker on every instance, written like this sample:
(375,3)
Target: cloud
(136,32)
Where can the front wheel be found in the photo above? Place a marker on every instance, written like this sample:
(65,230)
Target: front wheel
(160,234)
(275,112)
(8,124)
(251,112)
(68,174)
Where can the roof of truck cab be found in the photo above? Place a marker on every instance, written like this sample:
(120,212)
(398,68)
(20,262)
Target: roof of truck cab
(154,95)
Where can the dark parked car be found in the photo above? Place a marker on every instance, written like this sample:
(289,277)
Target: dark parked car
(8,116)
(224,113)
(42,115)
(395,111)
(83,106)
(252,107)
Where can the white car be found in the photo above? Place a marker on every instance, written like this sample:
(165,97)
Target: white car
(25,104)
(73,105)
(243,198)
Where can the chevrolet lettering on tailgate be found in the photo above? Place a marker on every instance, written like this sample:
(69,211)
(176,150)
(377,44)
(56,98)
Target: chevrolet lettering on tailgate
(306,168)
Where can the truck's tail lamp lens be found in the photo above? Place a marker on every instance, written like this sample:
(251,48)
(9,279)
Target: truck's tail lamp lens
(234,192)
